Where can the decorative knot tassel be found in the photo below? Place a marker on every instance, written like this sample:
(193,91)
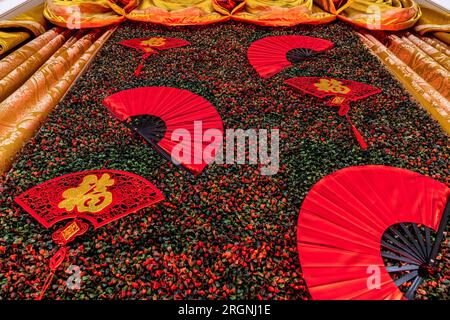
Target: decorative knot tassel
(359,137)
(138,70)
(357,134)
(55,262)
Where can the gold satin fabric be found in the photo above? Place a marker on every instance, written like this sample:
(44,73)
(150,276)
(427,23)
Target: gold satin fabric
(281,12)
(435,22)
(34,78)
(428,68)
(16,73)
(77,14)
(443,36)
(176,12)
(436,43)
(334,7)
(11,39)
(17,30)
(432,48)
(425,93)
(382,14)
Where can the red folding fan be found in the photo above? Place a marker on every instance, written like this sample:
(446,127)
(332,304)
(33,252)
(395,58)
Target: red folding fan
(151,46)
(96,196)
(272,54)
(342,92)
(371,232)
(160,113)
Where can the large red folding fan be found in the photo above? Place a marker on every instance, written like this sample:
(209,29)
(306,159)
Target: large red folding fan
(96,196)
(371,232)
(152,45)
(272,54)
(341,91)
(158,113)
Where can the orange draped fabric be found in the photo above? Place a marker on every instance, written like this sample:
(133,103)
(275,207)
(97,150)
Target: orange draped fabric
(382,14)
(80,14)
(371,14)
(176,12)
(281,12)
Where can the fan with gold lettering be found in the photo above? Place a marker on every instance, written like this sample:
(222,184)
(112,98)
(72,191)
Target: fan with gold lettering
(341,93)
(95,196)
(152,45)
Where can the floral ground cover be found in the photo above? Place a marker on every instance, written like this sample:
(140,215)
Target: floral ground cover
(229,233)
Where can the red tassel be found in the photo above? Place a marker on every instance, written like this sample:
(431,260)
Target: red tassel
(137,72)
(46,285)
(55,262)
(357,134)
(359,137)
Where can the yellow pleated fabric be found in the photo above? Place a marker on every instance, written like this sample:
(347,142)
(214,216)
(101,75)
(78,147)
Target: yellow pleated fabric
(432,48)
(382,14)
(443,36)
(176,12)
(77,14)
(59,58)
(370,14)
(17,70)
(434,22)
(437,44)
(430,98)
(11,39)
(281,12)
(333,6)
(429,69)
(16,31)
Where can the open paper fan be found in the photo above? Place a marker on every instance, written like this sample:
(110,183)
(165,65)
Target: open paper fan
(357,216)
(152,45)
(341,91)
(272,54)
(96,196)
(156,113)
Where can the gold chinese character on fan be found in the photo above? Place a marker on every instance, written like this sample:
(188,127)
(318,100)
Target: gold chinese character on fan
(331,85)
(91,195)
(154,42)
